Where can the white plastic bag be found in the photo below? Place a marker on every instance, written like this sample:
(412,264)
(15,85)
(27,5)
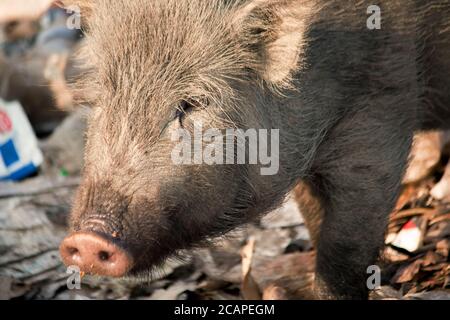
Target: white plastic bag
(20,155)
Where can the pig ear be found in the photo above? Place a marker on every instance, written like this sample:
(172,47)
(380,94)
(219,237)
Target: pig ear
(275,30)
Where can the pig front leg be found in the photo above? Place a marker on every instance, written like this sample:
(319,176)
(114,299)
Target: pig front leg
(311,208)
(359,169)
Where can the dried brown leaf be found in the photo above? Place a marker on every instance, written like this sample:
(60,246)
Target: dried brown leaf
(250,289)
(274,292)
(431,258)
(442,247)
(407,272)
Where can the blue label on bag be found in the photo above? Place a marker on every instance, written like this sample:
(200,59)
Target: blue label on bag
(9,153)
(20,156)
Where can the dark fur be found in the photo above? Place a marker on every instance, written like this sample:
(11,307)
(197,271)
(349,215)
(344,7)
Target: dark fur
(347,101)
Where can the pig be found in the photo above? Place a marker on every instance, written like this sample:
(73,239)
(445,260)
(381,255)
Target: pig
(346,97)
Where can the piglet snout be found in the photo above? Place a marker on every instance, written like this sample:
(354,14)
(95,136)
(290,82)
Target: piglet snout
(94,254)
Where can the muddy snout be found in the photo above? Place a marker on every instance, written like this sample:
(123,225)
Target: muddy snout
(94,254)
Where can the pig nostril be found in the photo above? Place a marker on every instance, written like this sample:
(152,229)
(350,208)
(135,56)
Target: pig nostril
(103,255)
(73,251)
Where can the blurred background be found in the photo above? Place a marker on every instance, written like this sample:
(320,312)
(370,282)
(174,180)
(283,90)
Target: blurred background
(41,157)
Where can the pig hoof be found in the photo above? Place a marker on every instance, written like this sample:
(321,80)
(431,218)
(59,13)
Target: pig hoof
(94,254)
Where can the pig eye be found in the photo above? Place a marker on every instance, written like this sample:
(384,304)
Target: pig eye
(187,106)
(182,110)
